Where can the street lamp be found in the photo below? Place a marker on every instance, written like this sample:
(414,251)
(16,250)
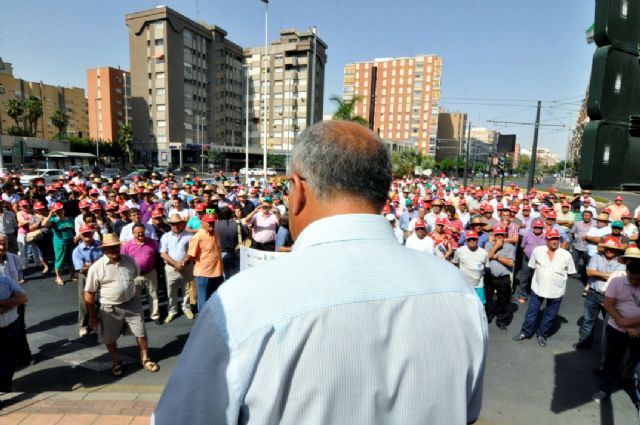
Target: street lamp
(266,67)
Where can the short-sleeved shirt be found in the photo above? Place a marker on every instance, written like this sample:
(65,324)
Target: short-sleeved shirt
(113,281)
(550,277)
(600,263)
(175,246)
(63,230)
(530,242)
(507,250)
(592,248)
(472,264)
(205,249)
(627,299)
(143,254)
(264,227)
(8,288)
(86,254)
(126,234)
(579,230)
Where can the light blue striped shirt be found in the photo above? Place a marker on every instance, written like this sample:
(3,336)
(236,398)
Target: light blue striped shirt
(350,328)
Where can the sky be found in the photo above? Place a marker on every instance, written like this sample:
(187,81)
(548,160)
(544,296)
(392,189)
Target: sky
(499,56)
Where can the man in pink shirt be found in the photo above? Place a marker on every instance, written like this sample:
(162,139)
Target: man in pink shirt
(263,222)
(143,251)
(617,209)
(622,303)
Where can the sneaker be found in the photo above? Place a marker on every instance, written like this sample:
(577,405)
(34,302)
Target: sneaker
(598,396)
(542,341)
(169,318)
(189,314)
(82,332)
(520,337)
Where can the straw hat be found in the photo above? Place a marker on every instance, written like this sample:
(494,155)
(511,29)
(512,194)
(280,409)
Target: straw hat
(631,253)
(110,239)
(175,219)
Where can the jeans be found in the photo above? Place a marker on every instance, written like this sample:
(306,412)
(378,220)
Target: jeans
(500,308)
(616,345)
(22,250)
(524,279)
(10,343)
(581,266)
(592,306)
(550,313)
(231,263)
(83,315)
(206,286)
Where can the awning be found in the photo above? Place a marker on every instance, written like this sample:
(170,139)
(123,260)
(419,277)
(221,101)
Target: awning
(60,154)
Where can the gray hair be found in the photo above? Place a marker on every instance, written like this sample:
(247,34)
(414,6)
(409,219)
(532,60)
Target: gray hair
(343,158)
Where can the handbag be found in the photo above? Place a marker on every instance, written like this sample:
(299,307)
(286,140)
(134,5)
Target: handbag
(34,235)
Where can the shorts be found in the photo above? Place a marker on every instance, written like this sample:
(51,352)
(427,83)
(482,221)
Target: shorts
(121,319)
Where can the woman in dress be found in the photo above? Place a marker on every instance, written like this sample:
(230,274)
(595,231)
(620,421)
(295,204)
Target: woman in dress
(63,230)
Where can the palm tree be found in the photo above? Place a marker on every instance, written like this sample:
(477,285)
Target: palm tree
(60,120)
(14,109)
(126,139)
(346,108)
(33,112)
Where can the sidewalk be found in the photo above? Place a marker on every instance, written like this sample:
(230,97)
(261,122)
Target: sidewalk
(109,405)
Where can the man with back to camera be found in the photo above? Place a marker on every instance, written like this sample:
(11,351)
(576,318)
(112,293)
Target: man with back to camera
(285,350)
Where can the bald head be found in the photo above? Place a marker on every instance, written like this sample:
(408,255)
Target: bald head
(343,159)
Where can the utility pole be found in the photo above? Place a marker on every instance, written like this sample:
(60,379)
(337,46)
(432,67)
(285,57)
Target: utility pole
(466,162)
(534,150)
(313,78)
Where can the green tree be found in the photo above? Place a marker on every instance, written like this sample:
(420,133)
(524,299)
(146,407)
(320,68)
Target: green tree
(14,109)
(60,120)
(346,109)
(33,112)
(126,140)
(405,162)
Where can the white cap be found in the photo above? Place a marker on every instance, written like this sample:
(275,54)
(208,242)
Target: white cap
(390,217)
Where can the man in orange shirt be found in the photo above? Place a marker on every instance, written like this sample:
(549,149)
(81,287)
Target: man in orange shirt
(617,209)
(204,251)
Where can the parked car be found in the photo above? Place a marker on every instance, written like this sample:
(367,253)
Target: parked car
(271,172)
(110,173)
(49,175)
(84,169)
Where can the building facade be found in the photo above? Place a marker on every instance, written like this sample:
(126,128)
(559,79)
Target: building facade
(290,68)
(70,100)
(186,87)
(452,137)
(406,92)
(109,102)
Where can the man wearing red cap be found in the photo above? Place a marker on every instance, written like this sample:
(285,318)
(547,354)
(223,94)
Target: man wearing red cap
(630,230)
(617,209)
(472,261)
(502,257)
(84,255)
(552,266)
(530,241)
(419,239)
(565,217)
(580,252)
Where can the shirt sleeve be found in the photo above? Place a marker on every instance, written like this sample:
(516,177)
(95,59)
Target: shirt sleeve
(204,364)
(456,257)
(571,267)
(78,261)
(92,284)
(532,260)
(164,244)
(612,287)
(593,263)
(14,286)
(193,247)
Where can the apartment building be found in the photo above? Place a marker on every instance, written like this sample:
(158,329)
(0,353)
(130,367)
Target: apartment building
(452,137)
(186,87)
(294,95)
(70,100)
(405,93)
(109,101)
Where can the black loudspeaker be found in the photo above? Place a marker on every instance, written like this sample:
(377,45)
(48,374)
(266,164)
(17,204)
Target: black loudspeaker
(506,143)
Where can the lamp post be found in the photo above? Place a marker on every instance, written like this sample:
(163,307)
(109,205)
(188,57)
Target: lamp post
(264,83)
(246,124)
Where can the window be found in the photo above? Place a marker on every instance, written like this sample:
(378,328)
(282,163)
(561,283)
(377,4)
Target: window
(158,25)
(162,123)
(159,75)
(162,108)
(162,138)
(160,92)
(159,42)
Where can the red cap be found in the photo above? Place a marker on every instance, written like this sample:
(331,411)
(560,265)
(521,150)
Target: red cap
(84,204)
(606,210)
(420,224)
(626,215)
(562,196)
(123,208)
(94,192)
(141,190)
(499,230)
(499,206)
(471,234)
(526,208)
(86,228)
(201,207)
(157,213)
(487,208)
(462,202)
(619,198)
(23,203)
(441,221)
(538,223)
(386,210)
(552,233)
(551,189)
(514,208)
(551,214)
(95,206)
(50,189)
(112,206)
(209,218)
(566,204)
(57,206)
(38,206)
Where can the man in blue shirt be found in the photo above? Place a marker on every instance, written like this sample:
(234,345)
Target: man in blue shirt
(84,255)
(295,341)
(11,296)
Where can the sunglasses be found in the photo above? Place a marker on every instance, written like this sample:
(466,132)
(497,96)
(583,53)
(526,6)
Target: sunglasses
(472,239)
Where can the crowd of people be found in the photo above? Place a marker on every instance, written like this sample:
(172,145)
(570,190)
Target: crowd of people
(123,241)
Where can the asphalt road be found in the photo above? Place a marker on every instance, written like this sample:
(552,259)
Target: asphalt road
(524,383)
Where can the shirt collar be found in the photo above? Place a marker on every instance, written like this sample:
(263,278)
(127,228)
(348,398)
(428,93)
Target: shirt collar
(345,227)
